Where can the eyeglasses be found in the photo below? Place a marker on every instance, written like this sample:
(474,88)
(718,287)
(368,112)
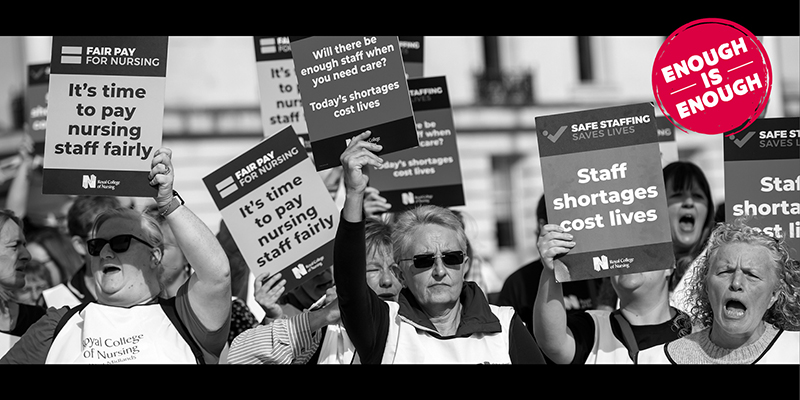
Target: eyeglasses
(119,244)
(423,261)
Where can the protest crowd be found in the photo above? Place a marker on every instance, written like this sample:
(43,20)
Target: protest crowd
(111,281)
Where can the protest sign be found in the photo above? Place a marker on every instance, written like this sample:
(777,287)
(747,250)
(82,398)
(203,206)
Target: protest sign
(666,141)
(277,84)
(602,179)
(105,114)
(36,104)
(762,178)
(431,172)
(277,209)
(351,84)
(412,50)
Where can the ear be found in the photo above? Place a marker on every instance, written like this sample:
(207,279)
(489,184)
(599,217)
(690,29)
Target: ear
(775,295)
(156,256)
(467,265)
(398,272)
(79,245)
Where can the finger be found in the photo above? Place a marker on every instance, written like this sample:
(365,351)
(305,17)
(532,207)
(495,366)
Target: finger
(278,288)
(555,251)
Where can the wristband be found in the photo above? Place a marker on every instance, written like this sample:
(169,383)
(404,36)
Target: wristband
(176,202)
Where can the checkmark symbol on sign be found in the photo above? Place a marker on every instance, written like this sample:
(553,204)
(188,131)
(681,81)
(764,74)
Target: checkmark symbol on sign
(741,142)
(555,136)
(36,73)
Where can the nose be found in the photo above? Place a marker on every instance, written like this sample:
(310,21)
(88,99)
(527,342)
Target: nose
(385,279)
(106,252)
(688,200)
(24,254)
(736,281)
(438,269)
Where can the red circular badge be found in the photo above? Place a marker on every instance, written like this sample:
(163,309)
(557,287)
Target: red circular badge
(712,76)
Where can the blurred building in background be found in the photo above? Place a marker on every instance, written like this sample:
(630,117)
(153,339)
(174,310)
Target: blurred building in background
(498,85)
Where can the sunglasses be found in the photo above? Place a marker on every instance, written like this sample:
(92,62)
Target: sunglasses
(119,244)
(423,261)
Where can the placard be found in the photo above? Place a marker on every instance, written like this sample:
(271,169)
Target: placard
(412,48)
(762,178)
(36,105)
(667,141)
(279,95)
(603,183)
(351,84)
(431,172)
(105,114)
(277,209)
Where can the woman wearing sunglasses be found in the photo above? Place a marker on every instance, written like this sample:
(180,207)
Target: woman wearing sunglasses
(438,318)
(130,322)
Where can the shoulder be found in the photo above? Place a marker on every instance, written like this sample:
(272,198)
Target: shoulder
(33,346)
(27,316)
(680,350)
(211,342)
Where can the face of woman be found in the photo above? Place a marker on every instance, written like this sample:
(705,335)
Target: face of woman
(438,287)
(380,277)
(14,256)
(688,210)
(31,293)
(742,285)
(122,277)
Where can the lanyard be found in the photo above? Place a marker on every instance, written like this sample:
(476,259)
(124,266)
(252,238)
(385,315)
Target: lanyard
(627,336)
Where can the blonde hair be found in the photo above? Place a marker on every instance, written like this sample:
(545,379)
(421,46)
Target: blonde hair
(785,312)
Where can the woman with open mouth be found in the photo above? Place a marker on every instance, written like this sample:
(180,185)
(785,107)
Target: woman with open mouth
(744,297)
(691,220)
(126,249)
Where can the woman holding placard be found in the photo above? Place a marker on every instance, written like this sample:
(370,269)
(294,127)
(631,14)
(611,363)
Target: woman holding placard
(438,318)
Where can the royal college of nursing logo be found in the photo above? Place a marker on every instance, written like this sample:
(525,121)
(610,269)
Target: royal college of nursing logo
(89,181)
(407,198)
(600,263)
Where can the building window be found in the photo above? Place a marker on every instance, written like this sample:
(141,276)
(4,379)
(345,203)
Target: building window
(503,194)
(585,59)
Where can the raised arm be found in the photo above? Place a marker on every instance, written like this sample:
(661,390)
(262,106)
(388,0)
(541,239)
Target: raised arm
(210,284)
(364,315)
(357,155)
(17,199)
(549,313)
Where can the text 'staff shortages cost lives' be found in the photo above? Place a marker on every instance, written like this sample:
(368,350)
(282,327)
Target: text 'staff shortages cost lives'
(603,183)
(762,178)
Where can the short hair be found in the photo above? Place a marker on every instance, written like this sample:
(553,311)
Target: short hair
(785,313)
(151,230)
(409,221)
(378,236)
(8,215)
(84,210)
